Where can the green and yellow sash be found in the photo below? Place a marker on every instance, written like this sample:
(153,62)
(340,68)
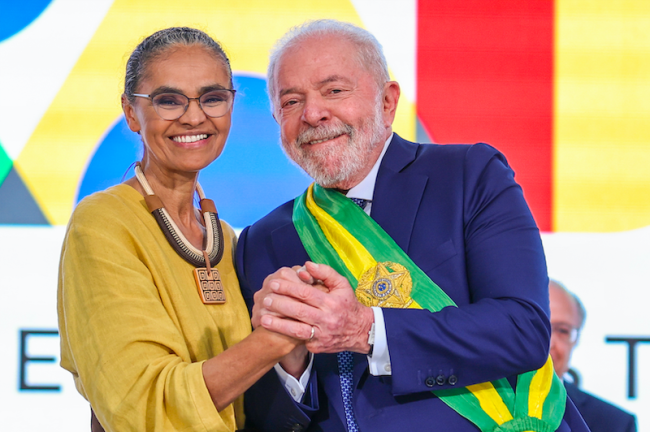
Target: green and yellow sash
(337,232)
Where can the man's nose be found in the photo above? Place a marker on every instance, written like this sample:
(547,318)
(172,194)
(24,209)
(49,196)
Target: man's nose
(315,112)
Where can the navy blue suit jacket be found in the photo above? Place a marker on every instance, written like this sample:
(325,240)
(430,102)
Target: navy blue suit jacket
(600,416)
(458,213)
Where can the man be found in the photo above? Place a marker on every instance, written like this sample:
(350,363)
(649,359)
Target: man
(448,227)
(567,319)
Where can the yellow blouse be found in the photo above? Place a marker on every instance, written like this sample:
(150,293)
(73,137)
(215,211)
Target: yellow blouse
(134,332)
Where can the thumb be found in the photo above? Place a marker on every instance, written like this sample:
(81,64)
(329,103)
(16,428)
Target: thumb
(331,279)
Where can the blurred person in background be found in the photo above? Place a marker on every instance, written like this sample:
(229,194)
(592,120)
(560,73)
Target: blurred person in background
(567,319)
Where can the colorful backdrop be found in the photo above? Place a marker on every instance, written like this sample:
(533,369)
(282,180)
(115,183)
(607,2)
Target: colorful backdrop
(561,87)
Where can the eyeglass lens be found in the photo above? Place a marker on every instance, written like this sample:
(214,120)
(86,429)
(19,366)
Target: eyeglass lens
(171,106)
(565,332)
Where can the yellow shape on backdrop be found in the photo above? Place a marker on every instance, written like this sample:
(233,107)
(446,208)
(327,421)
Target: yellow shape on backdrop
(53,160)
(602,113)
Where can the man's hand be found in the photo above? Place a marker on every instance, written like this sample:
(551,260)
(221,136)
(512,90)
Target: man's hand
(293,307)
(296,361)
(259,310)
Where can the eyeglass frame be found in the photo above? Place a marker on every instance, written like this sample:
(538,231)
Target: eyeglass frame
(187,105)
(572,335)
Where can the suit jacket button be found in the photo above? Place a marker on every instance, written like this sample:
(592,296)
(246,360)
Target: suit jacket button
(452,380)
(441,380)
(430,381)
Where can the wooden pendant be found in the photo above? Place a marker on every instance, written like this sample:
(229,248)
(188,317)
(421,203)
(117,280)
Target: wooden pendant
(209,284)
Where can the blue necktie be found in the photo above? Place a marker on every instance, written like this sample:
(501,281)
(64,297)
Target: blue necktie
(345,367)
(360,202)
(345,375)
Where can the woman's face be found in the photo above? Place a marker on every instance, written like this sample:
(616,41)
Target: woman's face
(191,142)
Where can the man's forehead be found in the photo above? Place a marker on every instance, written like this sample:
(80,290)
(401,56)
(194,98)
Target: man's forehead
(317,68)
(563,307)
(318,49)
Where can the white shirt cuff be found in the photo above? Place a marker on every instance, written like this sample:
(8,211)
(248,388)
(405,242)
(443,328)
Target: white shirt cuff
(379,363)
(296,388)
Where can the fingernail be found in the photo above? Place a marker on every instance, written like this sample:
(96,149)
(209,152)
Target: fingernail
(267,301)
(274,285)
(266,320)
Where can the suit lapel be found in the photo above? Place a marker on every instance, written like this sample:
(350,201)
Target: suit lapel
(398,193)
(287,247)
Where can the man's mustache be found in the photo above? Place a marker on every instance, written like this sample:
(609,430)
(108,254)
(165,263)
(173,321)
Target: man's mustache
(323,133)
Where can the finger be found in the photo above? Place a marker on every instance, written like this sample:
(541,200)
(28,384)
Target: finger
(330,278)
(291,308)
(300,291)
(304,276)
(287,327)
(284,273)
(264,311)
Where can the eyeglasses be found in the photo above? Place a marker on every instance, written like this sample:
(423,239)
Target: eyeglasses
(171,106)
(564,332)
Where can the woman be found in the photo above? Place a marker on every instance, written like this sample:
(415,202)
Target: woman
(152,343)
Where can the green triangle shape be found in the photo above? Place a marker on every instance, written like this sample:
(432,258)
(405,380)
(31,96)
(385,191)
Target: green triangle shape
(17,205)
(5,164)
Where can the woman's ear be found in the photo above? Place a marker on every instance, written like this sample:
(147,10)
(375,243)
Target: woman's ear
(130,115)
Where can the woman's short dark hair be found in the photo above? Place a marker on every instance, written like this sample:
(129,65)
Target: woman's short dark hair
(156,44)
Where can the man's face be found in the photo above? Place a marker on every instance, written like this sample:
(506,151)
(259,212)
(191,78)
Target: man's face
(565,321)
(330,110)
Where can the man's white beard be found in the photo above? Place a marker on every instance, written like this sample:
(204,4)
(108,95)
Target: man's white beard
(331,166)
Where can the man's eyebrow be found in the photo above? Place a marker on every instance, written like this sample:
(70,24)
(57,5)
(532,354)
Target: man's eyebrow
(329,79)
(287,91)
(334,78)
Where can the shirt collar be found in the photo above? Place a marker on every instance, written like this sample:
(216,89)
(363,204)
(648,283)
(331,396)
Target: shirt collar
(366,188)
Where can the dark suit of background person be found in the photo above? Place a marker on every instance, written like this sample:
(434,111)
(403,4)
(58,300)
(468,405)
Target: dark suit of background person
(458,213)
(567,319)
(599,415)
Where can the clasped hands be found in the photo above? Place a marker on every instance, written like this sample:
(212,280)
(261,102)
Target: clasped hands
(315,304)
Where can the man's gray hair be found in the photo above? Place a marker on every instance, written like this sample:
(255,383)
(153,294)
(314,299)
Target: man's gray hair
(370,54)
(582,313)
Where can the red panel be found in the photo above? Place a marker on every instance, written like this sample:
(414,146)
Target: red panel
(485,73)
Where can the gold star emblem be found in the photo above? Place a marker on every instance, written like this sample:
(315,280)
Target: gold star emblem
(385,285)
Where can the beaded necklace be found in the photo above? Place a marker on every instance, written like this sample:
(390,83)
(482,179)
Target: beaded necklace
(207,277)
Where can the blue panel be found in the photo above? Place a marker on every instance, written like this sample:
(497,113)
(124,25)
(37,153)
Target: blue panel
(252,176)
(16,15)
(112,159)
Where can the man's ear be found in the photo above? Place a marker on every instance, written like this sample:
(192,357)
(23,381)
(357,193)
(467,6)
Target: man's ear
(390,99)
(129,114)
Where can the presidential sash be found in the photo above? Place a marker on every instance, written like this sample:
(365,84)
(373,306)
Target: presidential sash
(337,232)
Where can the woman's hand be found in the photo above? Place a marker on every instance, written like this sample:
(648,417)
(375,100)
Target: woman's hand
(296,361)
